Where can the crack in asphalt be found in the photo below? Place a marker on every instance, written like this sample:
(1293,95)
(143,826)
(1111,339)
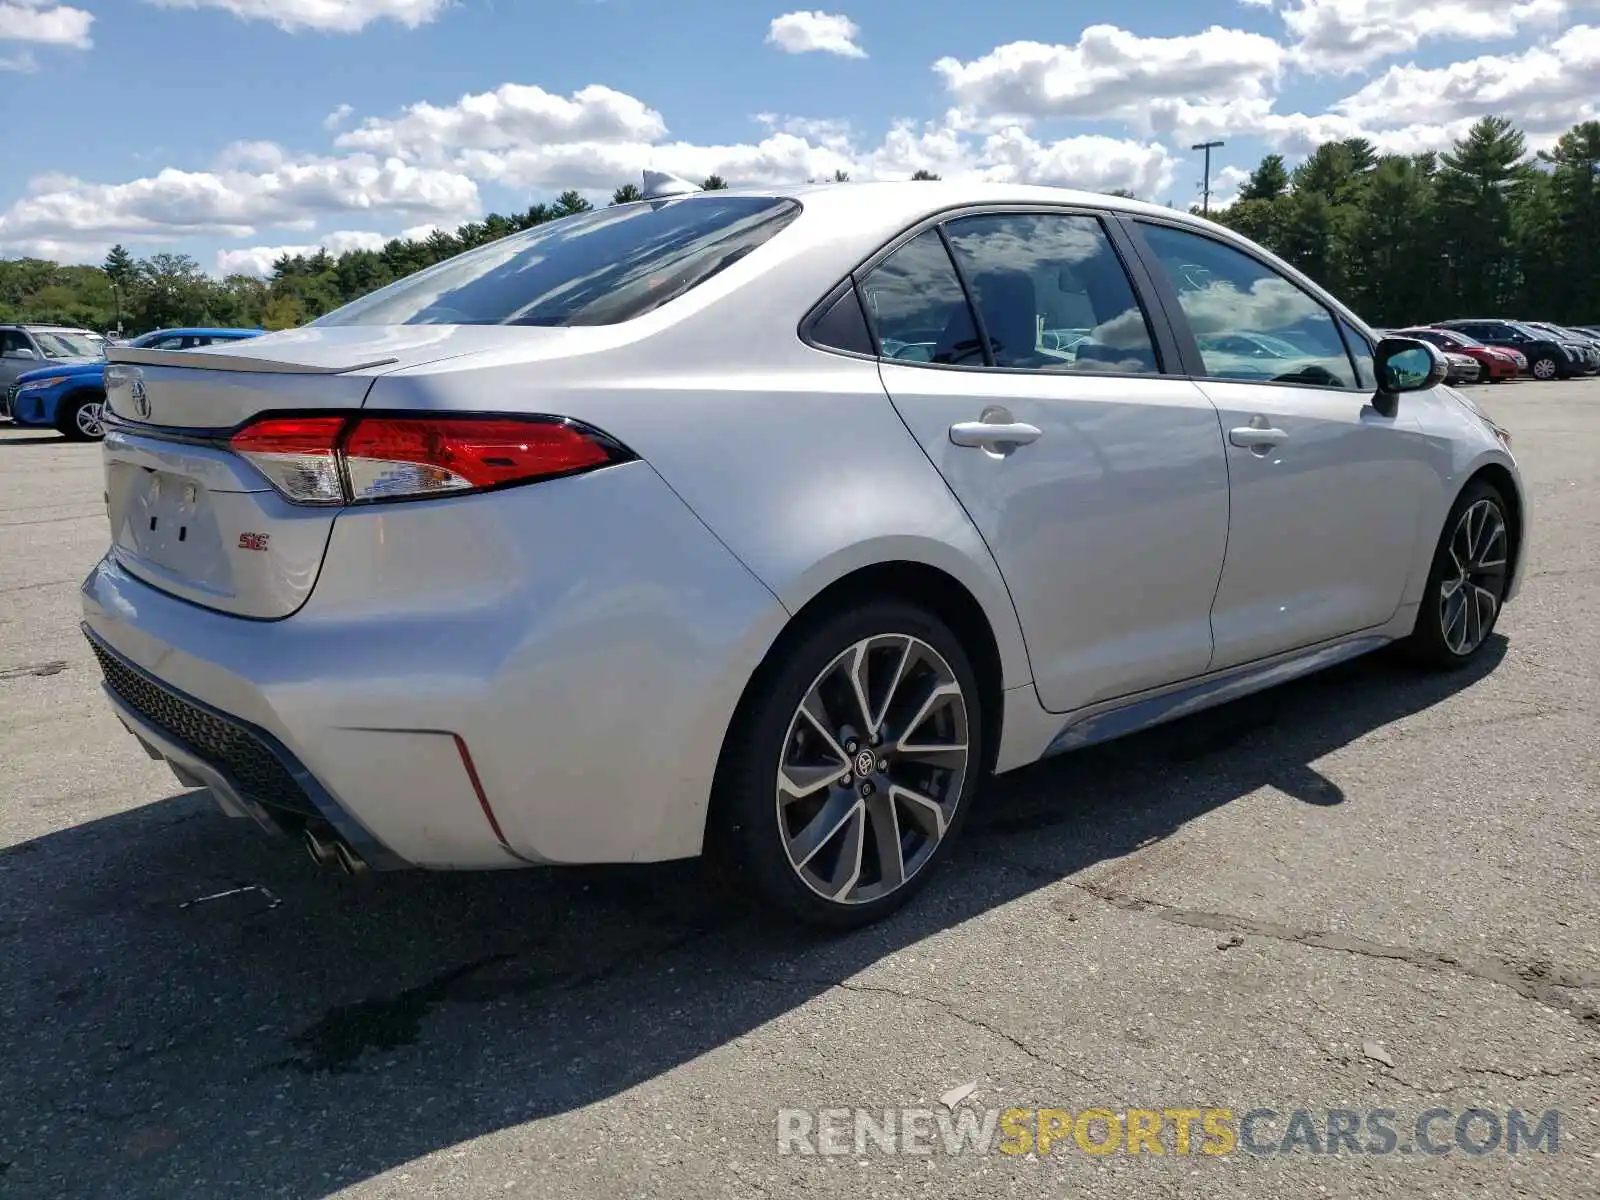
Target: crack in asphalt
(1582,1068)
(1535,713)
(1537,980)
(943,1006)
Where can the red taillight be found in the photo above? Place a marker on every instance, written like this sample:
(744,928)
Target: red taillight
(389,456)
(340,460)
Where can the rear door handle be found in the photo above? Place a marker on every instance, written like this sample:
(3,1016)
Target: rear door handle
(989,434)
(1253,437)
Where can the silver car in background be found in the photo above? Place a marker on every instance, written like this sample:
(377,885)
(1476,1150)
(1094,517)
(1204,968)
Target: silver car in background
(768,524)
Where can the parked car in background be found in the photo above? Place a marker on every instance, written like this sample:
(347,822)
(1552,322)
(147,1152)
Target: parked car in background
(25,347)
(1497,363)
(1463,368)
(68,398)
(1549,357)
(1589,342)
(1458,368)
(554,553)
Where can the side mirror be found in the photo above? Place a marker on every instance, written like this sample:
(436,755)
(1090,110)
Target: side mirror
(21,352)
(1405,365)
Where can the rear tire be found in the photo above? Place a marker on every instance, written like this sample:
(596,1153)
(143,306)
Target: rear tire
(1466,584)
(851,768)
(79,418)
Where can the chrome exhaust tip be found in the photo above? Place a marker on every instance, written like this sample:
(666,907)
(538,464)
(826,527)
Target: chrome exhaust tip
(349,861)
(322,848)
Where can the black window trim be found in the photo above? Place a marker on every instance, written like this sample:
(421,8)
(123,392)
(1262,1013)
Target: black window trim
(1189,348)
(1164,342)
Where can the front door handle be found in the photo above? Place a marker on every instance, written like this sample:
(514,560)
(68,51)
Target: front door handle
(989,435)
(1256,437)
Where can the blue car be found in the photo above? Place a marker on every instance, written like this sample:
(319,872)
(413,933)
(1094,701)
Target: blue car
(68,398)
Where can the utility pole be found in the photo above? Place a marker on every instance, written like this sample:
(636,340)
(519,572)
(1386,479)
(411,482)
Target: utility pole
(1205,194)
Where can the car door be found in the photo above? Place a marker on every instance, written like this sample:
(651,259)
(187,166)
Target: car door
(1099,483)
(1326,492)
(11,363)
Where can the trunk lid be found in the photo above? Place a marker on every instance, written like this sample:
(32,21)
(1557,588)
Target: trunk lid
(197,521)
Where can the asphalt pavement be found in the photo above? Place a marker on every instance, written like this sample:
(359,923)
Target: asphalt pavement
(1367,892)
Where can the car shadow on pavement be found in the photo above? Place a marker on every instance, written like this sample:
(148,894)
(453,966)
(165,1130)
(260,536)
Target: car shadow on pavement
(192,1009)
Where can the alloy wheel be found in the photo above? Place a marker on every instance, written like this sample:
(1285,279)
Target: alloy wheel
(1545,368)
(88,420)
(872,768)
(1469,599)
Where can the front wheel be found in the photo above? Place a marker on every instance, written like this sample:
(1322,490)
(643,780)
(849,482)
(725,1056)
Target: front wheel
(1467,582)
(1546,368)
(852,768)
(81,418)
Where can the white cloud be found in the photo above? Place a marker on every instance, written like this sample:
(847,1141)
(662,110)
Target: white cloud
(258,260)
(513,115)
(45,23)
(1094,163)
(1544,88)
(260,156)
(600,166)
(806,32)
(322,16)
(24,62)
(1225,186)
(173,204)
(337,117)
(1347,35)
(1110,72)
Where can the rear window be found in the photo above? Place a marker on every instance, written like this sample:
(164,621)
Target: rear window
(596,268)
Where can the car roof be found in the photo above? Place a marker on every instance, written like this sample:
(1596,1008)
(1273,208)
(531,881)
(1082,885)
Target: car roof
(209,331)
(48,327)
(910,198)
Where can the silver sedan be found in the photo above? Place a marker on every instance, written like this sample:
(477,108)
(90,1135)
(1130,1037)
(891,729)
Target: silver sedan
(767,525)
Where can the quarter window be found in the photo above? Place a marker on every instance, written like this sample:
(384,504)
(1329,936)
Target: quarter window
(1052,293)
(1361,352)
(919,312)
(1228,295)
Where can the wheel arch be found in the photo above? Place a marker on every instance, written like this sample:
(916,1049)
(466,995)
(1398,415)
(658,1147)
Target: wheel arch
(1503,481)
(69,396)
(918,583)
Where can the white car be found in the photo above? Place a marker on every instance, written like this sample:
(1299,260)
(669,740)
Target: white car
(629,537)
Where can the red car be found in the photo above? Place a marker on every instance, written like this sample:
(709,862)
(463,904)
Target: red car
(1499,362)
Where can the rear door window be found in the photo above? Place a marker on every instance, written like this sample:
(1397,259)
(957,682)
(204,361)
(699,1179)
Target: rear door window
(596,268)
(1052,293)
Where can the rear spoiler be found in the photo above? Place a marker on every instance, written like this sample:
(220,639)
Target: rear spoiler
(200,360)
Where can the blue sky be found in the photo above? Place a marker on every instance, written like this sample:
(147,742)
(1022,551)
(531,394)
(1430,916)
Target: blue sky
(230,129)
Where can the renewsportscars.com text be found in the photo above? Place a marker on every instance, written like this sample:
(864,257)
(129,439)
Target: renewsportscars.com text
(1194,1130)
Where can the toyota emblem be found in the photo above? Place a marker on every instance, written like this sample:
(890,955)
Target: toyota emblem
(141,400)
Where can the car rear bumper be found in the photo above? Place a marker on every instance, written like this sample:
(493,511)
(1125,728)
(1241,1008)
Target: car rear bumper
(544,674)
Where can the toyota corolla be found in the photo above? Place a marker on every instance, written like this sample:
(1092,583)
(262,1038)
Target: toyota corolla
(638,535)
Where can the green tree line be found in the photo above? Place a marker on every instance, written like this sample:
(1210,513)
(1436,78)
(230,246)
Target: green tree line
(1481,229)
